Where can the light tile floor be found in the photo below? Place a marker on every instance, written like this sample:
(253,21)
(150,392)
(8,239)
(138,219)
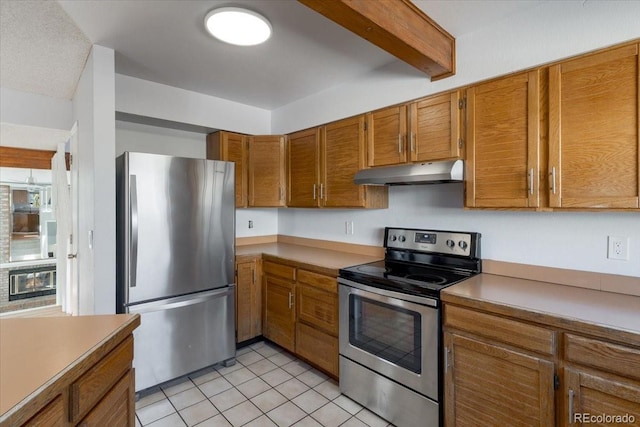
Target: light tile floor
(266,387)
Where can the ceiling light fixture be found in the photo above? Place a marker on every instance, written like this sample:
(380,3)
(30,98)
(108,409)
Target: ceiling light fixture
(238,26)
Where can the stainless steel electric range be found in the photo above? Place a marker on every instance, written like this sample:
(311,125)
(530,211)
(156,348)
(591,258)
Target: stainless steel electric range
(390,322)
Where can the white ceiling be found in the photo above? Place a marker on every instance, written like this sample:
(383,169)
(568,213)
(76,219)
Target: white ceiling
(44,45)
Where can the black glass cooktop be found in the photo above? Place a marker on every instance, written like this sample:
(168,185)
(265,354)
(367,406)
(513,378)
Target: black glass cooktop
(414,279)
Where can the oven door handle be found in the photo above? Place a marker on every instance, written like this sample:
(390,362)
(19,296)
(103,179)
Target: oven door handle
(431,302)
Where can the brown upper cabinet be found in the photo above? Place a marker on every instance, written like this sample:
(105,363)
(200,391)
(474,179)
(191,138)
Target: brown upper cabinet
(424,130)
(260,166)
(503,143)
(231,147)
(594,130)
(267,171)
(322,164)
(563,136)
(304,169)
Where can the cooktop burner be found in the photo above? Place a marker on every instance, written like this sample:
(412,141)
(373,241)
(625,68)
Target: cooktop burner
(404,277)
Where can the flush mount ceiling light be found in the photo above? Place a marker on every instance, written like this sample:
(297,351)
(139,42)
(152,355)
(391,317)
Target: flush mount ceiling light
(237,26)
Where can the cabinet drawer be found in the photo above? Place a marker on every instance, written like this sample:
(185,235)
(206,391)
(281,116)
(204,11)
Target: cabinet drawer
(279,270)
(508,331)
(317,347)
(318,308)
(93,385)
(327,283)
(49,416)
(117,407)
(610,357)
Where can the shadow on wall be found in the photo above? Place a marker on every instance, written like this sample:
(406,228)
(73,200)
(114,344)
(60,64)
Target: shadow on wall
(449,195)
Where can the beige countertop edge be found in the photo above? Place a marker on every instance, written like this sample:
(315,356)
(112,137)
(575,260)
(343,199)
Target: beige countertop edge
(322,260)
(49,384)
(597,313)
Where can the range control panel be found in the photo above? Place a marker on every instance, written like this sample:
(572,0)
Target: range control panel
(443,242)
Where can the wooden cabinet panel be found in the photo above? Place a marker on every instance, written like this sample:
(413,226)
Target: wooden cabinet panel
(231,147)
(343,153)
(304,169)
(93,385)
(117,408)
(594,143)
(386,132)
(435,128)
(280,270)
(318,348)
(52,415)
(279,311)
(530,337)
(267,171)
(607,356)
(503,142)
(486,384)
(318,308)
(592,394)
(320,281)
(248,301)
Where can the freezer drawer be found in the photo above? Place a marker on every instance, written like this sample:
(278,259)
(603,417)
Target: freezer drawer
(181,335)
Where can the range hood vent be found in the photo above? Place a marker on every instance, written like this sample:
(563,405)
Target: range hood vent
(412,174)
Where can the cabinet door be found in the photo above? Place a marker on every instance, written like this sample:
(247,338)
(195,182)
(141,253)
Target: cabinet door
(386,132)
(435,128)
(593,132)
(486,384)
(279,312)
(248,302)
(231,147)
(503,143)
(318,348)
(592,394)
(117,408)
(304,168)
(267,171)
(343,154)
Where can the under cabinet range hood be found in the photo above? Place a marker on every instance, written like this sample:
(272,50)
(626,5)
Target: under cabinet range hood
(412,174)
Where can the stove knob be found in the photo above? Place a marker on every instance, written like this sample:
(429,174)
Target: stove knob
(393,238)
(402,238)
(451,243)
(463,245)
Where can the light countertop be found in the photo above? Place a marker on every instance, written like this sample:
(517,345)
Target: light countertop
(604,314)
(36,352)
(324,261)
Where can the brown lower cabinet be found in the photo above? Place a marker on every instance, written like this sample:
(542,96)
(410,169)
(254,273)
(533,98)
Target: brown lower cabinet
(102,395)
(502,370)
(301,313)
(248,298)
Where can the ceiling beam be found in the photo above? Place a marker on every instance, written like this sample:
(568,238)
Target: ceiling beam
(397,26)
(14,157)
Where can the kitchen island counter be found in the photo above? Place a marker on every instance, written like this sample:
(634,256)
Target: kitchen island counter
(40,358)
(603,314)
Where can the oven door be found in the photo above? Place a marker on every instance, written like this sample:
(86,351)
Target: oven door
(388,334)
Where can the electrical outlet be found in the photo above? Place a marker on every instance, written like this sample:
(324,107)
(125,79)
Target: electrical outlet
(348,227)
(250,224)
(618,248)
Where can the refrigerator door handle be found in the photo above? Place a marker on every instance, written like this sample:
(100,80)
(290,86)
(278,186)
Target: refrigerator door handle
(182,301)
(133,267)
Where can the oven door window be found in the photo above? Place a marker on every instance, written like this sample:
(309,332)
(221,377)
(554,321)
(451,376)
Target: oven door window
(385,331)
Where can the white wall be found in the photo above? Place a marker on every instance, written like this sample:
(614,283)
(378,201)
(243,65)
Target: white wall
(156,140)
(265,222)
(28,109)
(551,31)
(149,99)
(94,110)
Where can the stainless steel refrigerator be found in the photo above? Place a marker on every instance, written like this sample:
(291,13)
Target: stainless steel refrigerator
(175,262)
